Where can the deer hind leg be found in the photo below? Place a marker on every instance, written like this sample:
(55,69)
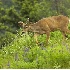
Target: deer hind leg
(65,31)
(64,35)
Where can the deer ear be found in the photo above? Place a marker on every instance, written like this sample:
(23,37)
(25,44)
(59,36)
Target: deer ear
(21,23)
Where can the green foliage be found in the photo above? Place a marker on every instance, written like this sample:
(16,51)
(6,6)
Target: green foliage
(12,11)
(6,38)
(24,53)
(8,25)
(6,35)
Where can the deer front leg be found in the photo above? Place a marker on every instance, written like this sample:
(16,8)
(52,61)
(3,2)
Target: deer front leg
(48,36)
(35,37)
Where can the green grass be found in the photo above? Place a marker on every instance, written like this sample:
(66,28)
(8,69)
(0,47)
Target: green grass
(24,53)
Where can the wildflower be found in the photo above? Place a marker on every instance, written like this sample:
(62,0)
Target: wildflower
(16,56)
(26,49)
(8,64)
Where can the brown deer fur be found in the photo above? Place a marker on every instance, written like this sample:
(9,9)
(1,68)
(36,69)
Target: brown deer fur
(46,25)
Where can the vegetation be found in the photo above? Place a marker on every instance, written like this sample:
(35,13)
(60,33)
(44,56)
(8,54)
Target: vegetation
(21,51)
(12,11)
(24,53)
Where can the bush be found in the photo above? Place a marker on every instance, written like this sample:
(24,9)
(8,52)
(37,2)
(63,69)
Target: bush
(6,38)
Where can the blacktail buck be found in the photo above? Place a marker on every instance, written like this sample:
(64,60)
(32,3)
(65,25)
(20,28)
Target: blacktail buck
(47,25)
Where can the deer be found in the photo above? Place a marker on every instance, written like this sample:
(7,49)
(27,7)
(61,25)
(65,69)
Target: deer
(47,25)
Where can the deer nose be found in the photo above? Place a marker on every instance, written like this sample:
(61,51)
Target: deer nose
(23,32)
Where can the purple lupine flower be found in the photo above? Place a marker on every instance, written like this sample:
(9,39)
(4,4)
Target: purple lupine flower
(26,49)
(16,57)
(8,64)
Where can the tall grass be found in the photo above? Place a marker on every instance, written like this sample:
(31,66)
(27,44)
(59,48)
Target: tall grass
(25,53)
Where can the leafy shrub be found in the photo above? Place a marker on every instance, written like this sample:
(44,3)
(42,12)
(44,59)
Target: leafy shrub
(6,38)
(24,53)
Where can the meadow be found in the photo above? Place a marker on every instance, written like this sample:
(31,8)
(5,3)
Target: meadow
(20,51)
(24,53)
